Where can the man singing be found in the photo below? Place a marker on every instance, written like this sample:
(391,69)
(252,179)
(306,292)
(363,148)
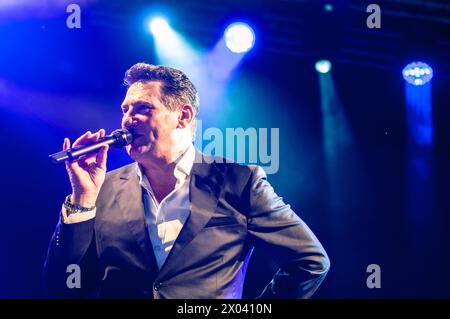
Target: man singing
(175,223)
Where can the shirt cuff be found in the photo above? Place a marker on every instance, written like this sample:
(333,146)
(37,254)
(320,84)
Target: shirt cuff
(78,217)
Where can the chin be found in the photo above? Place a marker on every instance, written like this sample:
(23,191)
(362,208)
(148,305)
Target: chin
(138,152)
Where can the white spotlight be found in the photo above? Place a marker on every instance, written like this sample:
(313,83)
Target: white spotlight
(323,66)
(239,37)
(159,26)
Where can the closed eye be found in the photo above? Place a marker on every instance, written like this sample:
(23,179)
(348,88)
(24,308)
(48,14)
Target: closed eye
(139,108)
(143,108)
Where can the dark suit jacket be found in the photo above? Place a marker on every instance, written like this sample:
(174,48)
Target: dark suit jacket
(233,209)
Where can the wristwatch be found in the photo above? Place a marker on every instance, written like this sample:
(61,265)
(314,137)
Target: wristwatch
(75,208)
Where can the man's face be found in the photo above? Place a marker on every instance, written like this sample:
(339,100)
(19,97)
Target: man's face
(153,124)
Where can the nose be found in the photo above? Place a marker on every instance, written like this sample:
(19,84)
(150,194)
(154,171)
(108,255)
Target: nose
(128,121)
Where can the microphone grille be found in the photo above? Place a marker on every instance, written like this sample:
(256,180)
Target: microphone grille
(123,137)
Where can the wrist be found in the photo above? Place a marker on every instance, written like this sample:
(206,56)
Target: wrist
(85,200)
(73,208)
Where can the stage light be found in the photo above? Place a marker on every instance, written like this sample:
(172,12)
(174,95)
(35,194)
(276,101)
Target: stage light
(323,66)
(171,47)
(159,26)
(239,37)
(328,7)
(417,73)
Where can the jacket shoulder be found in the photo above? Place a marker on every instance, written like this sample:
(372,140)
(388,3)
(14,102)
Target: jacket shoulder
(238,169)
(124,170)
(239,177)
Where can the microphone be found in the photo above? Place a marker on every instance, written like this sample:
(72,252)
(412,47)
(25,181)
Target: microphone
(117,138)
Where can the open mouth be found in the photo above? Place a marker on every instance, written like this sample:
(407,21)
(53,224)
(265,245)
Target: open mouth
(136,135)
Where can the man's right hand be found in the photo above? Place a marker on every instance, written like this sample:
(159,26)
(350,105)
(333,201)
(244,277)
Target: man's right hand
(87,174)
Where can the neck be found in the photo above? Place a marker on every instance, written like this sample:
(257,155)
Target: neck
(160,168)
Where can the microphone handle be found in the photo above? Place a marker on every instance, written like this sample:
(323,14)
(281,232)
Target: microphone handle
(117,138)
(74,153)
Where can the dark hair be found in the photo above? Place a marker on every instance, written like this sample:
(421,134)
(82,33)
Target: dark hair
(176,87)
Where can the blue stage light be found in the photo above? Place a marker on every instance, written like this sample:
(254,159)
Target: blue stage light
(239,37)
(328,7)
(159,26)
(417,73)
(323,66)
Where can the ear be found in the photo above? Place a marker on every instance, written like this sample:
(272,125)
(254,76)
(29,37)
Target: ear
(186,116)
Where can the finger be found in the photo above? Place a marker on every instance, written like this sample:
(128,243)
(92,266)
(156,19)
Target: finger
(102,155)
(66,144)
(82,139)
(87,159)
(84,164)
(88,139)
(72,167)
(95,136)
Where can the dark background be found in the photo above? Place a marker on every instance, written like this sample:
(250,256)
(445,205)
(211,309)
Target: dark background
(56,82)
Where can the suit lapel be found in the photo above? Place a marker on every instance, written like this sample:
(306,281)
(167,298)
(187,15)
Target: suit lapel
(205,187)
(130,202)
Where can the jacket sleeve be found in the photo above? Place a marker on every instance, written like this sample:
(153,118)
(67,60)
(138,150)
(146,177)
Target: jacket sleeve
(272,225)
(71,266)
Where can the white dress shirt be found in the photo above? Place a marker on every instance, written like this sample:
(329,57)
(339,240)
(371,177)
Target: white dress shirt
(165,219)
